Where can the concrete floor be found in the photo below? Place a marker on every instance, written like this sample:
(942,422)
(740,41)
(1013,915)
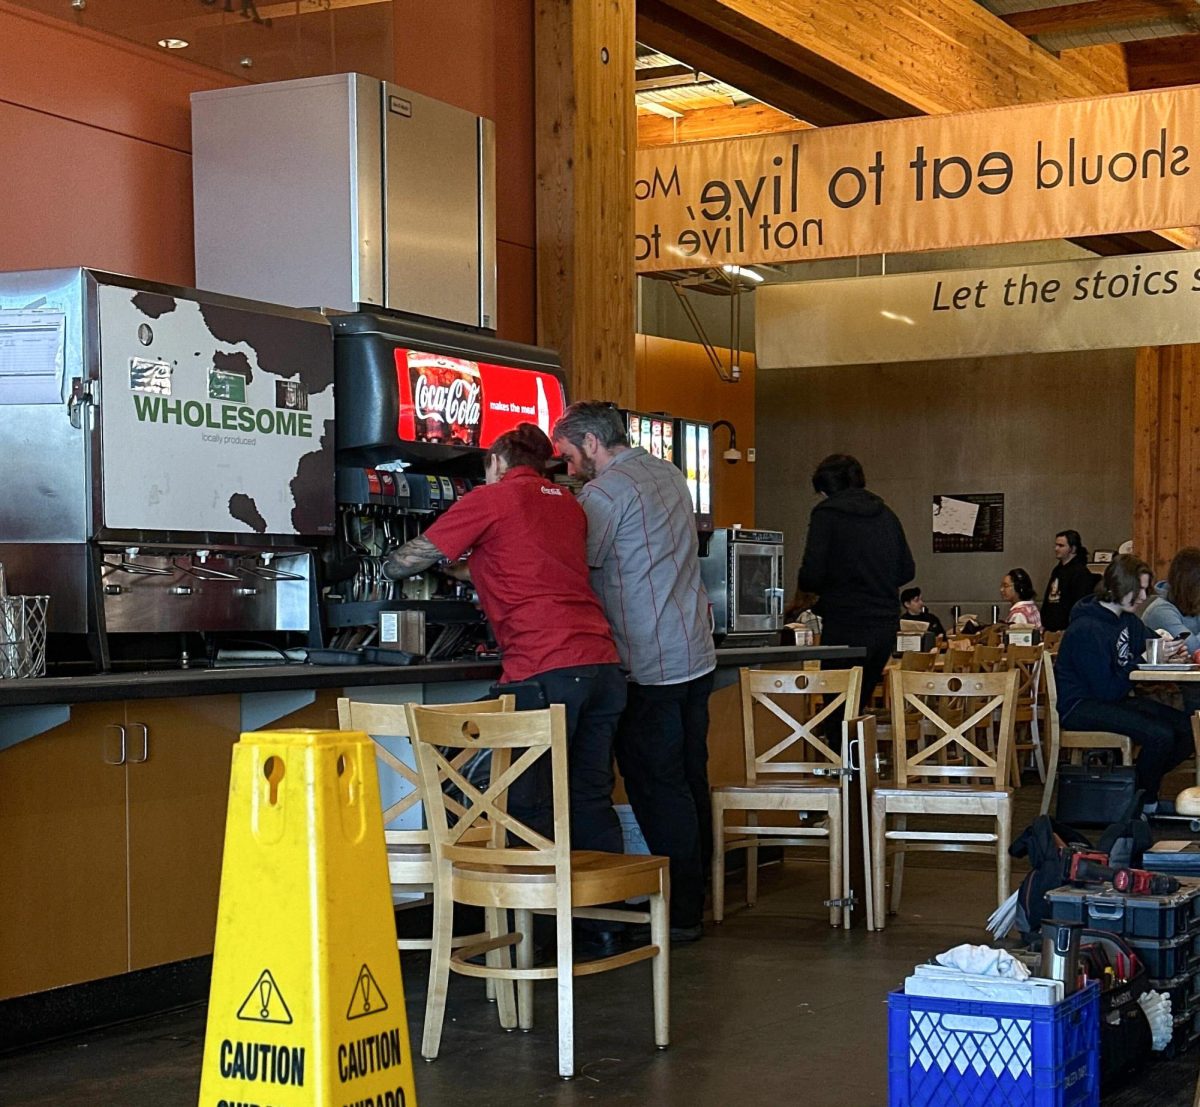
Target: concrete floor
(773,1007)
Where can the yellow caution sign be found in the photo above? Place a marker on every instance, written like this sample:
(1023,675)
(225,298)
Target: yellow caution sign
(306,1007)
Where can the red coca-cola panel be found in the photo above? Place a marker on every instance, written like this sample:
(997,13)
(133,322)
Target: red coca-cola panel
(450,401)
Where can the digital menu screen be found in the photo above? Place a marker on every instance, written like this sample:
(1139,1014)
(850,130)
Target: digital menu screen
(704,501)
(691,463)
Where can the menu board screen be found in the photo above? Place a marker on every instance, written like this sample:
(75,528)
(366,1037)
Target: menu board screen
(451,401)
(690,460)
(704,500)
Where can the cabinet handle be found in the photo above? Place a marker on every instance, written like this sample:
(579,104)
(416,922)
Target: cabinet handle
(118,727)
(145,744)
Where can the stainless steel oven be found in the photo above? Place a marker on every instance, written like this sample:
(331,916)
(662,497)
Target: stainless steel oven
(743,574)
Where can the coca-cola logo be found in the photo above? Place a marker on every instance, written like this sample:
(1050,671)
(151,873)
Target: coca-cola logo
(457,402)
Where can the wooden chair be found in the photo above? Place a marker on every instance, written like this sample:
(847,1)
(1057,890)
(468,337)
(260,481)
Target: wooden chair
(520,870)
(786,778)
(924,786)
(1027,662)
(918,661)
(1077,741)
(993,635)
(410,860)
(1051,640)
(989,658)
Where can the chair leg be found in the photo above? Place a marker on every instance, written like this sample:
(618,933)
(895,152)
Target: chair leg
(718,860)
(1003,861)
(751,864)
(898,867)
(878,860)
(1038,757)
(565,981)
(439,976)
(524,923)
(1051,774)
(500,958)
(660,935)
(834,823)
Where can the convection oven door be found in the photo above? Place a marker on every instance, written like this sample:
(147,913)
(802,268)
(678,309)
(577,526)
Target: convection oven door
(754,590)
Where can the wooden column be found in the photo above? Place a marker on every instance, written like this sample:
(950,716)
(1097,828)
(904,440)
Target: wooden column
(585,135)
(1166,453)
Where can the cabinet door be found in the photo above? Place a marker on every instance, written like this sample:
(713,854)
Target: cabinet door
(178,772)
(63,907)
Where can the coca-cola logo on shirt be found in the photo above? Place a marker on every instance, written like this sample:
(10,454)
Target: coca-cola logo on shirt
(457,402)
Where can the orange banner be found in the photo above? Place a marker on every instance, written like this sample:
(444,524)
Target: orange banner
(1079,167)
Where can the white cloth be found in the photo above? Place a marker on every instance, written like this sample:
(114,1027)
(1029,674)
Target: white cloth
(983,961)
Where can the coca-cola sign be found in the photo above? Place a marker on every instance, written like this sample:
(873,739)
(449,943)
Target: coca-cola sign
(456,402)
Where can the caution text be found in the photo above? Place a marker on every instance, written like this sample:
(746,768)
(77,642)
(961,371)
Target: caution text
(371,1054)
(258,1061)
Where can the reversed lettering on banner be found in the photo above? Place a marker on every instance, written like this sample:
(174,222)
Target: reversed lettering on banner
(1093,304)
(1042,171)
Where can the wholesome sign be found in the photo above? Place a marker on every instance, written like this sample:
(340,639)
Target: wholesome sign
(1094,304)
(1078,167)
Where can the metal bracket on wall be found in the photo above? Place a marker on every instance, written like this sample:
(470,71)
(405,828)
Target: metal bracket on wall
(733,373)
(19,723)
(261,708)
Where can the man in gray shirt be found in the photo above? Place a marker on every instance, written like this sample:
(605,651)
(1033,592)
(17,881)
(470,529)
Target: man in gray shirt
(643,554)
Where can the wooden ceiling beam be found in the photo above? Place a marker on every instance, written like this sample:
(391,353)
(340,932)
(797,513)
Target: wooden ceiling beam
(1163,62)
(724,122)
(1095,15)
(922,57)
(704,48)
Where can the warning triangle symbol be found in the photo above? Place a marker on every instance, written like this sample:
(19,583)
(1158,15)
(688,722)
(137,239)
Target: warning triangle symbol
(366,999)
(265,1002)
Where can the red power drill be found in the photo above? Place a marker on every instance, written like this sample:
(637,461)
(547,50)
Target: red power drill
(1093,868)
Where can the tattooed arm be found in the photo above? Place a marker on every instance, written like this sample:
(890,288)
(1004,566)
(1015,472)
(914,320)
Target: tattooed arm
(411,558)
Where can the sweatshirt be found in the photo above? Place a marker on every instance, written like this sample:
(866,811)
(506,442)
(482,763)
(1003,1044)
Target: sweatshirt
(856,558)
(1068,584)
(1161,614)
(1097,654)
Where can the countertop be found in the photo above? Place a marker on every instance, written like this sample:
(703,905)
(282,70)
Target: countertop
(172,683)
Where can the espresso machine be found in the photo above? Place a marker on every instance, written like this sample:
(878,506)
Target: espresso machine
(169,464)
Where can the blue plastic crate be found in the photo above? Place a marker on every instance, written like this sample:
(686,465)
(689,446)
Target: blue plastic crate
(964,1053)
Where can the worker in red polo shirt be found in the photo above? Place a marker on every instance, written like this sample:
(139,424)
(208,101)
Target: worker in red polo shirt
(524,539)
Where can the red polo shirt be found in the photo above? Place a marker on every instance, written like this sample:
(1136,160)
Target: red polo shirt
(527,540)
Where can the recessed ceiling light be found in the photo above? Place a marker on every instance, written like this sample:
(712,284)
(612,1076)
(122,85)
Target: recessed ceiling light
(174,43)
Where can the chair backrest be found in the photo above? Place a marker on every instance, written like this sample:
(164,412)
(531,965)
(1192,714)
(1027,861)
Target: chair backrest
(1027,662)
(1051,686)
(918,661)
(990,659)
(951,706)
(993,635)
(814,698)
(389,720)
(958,661)
(1051,640)
(517,741)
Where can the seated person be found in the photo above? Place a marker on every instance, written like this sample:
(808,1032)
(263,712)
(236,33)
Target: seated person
(1017,589)
(1102,645)
(1175,608)
(914,608)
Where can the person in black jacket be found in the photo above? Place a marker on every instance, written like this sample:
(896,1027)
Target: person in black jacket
(1102,646)
(856,558)
(1069,581)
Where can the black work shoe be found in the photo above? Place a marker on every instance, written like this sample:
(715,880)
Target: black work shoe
(592,944)
(683,934)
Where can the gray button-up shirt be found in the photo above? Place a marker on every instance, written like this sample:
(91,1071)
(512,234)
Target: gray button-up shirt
(643,552)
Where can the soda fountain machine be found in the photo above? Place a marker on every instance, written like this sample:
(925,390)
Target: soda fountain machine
(418,405)
(168,464)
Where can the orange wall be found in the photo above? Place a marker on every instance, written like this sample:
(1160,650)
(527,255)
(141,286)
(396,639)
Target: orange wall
(677,377)
(95,139)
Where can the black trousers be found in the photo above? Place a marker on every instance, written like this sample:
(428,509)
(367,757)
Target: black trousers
(594,696)
(662,752)
(1163,734)
(878,639)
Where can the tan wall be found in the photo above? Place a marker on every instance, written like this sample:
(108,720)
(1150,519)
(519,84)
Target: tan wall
(1053,432)
(677,377)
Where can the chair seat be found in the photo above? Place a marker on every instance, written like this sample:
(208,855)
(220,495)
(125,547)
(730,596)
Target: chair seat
(780,789)
(944,791)
(596,878)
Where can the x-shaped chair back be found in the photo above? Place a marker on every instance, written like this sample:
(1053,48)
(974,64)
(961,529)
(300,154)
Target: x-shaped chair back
(951,706)
(517,741)
(813,741)
(389,720)
(1027,661)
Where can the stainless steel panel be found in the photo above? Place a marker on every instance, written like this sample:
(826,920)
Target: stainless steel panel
(431,207)
(366,190)
(487,224)
(59,571)
(275,208)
